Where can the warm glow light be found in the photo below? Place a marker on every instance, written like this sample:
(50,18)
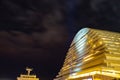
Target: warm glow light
(87,79)
(92,53)
(110,73)
(84,59)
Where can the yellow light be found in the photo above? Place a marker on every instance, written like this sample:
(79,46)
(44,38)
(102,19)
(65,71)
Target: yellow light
(84,59)
(93,52)
(82,75)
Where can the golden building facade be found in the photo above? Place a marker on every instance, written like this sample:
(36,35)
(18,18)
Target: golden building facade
(93,55)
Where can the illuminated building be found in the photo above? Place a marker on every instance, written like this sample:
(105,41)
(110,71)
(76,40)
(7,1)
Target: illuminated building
(27,76)
(93,55)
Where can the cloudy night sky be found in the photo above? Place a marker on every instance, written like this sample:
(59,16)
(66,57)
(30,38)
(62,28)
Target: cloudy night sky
(38,33)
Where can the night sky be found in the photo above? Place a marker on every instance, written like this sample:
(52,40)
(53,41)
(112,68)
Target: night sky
(38,33)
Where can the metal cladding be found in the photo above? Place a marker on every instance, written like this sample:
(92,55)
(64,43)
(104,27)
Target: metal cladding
(92,53)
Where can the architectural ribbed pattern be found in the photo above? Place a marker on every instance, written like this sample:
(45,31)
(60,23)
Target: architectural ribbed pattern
(92,52)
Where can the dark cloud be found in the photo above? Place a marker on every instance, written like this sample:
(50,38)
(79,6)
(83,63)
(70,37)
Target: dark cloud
(38,33)
(32,33)
(102,14)
(5,79)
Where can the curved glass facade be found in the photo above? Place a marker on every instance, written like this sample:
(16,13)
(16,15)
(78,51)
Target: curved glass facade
(93,55)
